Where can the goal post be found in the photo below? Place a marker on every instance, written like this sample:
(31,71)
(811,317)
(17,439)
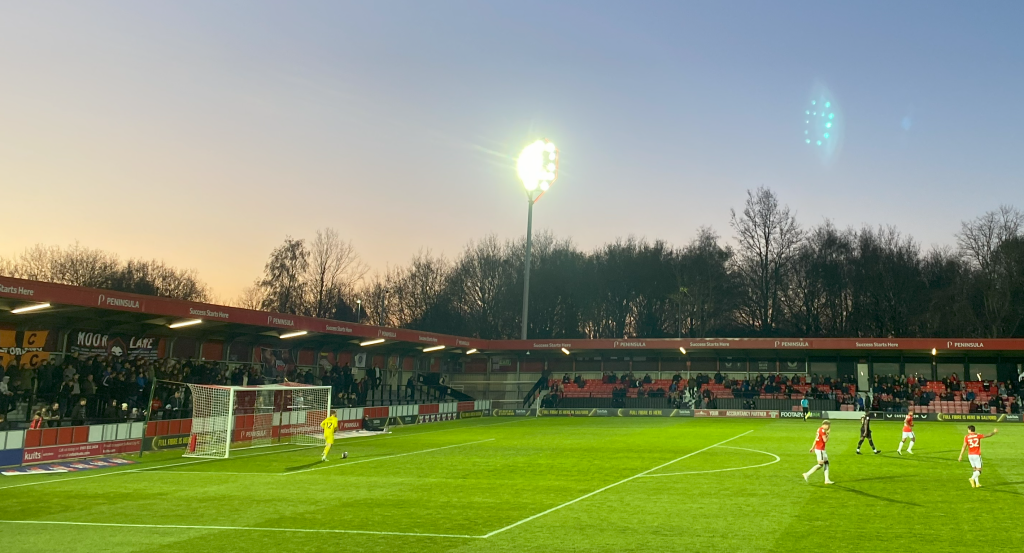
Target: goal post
(256,416)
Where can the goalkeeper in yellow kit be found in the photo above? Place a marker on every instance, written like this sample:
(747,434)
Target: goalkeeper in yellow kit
(330,424)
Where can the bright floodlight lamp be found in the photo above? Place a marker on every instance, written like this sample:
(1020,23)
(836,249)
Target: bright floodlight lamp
(433,348)
(372,342)
(537,167)
(181,324)
(295,334)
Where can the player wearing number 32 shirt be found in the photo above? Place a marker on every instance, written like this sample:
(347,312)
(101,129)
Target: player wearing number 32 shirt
(972,443)
(818,449)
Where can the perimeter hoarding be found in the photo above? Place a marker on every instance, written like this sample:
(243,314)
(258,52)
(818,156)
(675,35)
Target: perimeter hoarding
(593,412)
(949,417)
(736,413)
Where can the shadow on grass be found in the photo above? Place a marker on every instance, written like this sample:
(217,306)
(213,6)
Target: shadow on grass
(873,496)
(893,477)
(300,467)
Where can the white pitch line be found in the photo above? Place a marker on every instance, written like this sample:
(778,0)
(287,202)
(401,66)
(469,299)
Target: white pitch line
(51,481)
(246,528)
(388,457)
(777,459)
(593,493)
(145,469)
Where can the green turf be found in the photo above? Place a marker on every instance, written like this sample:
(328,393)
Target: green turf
(503,471)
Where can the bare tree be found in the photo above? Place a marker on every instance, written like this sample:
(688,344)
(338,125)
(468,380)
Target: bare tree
(768,237)
(333,273)
(980,242)
(251,297)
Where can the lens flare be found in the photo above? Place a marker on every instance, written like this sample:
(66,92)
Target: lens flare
(537,165)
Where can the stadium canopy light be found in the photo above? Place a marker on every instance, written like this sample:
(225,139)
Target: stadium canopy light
(934,351)
(189,322)
(433,348)
(372,342)
(471,352)
(682,350)
(565,351)
(293,334)
(30,308)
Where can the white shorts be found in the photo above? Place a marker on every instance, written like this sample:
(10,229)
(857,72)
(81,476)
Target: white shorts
(908,435)
(821,455)
(975,461)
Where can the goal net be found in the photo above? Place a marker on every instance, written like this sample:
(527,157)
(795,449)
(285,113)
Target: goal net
(233,417)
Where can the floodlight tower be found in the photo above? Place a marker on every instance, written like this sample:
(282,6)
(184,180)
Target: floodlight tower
(538,168)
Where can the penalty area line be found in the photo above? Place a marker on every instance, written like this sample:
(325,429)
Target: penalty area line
(144,469)
(610,486)
(246,528)
(387,457)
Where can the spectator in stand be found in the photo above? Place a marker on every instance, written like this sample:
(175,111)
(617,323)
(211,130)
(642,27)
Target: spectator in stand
(580,383)
(718,377)
(37,421)
(6,396)
(174,406)
(648,379)
(677,377)
(111,412)
(566,379)
(78,413)
(88,388)
(52,415)
(410,388)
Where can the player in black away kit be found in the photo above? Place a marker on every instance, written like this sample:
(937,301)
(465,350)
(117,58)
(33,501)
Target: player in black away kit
(865,433)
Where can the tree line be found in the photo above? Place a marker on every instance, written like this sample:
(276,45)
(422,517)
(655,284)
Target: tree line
(81,266)
(776,278)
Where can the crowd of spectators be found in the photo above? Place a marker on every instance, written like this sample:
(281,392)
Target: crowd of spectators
(892,392)
(106,389)
(887,393)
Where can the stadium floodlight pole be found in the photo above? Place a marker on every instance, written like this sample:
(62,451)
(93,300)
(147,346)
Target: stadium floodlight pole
(537,168)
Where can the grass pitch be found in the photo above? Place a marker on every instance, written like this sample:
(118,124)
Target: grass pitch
(548,484)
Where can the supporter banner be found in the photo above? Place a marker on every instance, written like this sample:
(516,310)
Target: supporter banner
(972,417)
(73,466)
(25,348)
(73,451)
(736,413)
(171,441)
(85,342)
(276,362)
(514,412)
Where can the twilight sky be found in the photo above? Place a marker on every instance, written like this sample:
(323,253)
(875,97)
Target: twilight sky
(202,133)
